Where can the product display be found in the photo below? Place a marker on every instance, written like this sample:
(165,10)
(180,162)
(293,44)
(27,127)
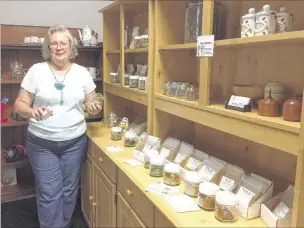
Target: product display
(225,206)
(171,174)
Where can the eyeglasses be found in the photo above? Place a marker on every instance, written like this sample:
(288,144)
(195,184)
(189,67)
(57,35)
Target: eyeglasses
(61,45)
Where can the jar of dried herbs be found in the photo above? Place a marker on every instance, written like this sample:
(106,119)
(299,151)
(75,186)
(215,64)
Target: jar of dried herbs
(142,83)
(157,164)
(148,155)
(126,79)
(133,82)
(116,133)
(114,77)
(192,181)
(192,93)
(137,42)
(207,193)
(144,41)
(172,174)
(181,89)
(225,206)
(130,139)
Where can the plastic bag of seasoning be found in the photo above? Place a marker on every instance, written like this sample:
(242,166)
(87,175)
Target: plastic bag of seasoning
(230,178)
(284,207)
(169,148)
(195,160)
(266,183)
(211,169)
(183,154)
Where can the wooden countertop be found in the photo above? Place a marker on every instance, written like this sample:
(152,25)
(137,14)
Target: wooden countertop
(140,176)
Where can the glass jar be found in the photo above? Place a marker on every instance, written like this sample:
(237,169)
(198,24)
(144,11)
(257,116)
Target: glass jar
(130,139)
(142,83)
(192,93)
(126,79)
(137,42)
(192,181)
(225,206)
(207,193)
(194,17)
(157,166)
(181,89)
(144,41)
(124,123)
(133,82)
(172,174)
(148,155)
(172,88)
(111,120)
(116,133)
(114,77)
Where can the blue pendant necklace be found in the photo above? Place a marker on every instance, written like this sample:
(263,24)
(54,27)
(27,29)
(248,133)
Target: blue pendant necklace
(60,85)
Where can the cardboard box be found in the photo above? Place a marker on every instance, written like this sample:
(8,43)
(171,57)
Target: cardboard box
(138,152)
(269,218)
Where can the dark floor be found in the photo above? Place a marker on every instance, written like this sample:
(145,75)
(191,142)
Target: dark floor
(23,214)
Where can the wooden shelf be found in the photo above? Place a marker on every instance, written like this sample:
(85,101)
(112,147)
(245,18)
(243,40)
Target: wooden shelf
(137,50)
(248,127)
(179,101)
(136,95)
(10,81)
(17,164)
(272,39)
(13,123)
(38,47)
(112,52)
(176,47)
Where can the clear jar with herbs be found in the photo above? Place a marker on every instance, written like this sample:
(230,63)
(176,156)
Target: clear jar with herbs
(225,206)
(148,155)
(142,82)
(207,193)
(157,164)
(192,181)
(137,42)
(192,93)
(114,77)
(130,139)
(145,41)
(171,174)
(181,89)
(116,133)
(133,82)
(126,79)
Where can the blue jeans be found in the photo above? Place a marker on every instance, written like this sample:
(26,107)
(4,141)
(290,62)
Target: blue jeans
(56,167)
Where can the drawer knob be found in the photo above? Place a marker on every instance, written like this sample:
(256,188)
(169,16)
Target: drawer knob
(100,159)
(90,197)
(94,204)
(129,192)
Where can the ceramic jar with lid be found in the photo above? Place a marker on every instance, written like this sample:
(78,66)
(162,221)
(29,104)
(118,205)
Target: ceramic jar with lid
(172,174)
(292,109)
(157,164)
(283,21)
(265,22)
(192,181)
(207,193)
(269,106)
(225,206)
(248,24)
(277,91)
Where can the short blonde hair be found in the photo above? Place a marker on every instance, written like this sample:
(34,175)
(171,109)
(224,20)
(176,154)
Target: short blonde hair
(47,40)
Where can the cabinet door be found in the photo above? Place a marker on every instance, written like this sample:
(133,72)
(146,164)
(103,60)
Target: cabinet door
(126,216)
(87,190)
(104,200)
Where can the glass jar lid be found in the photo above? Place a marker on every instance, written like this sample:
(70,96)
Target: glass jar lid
(157,160)
(116,129)
(114,74)
(134,77)
(172,168)
(193,177)
(208,188)
(226,198)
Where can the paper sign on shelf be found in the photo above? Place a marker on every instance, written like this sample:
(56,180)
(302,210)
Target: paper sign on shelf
(205,46)
(114,148)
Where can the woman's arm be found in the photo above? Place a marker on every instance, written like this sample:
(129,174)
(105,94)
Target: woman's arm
(92,108)
(23,106)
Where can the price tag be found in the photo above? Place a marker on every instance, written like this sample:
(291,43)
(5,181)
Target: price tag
(207,173)
(193,163)
(238,101)
(281,210)
(205,46)
(226,183)
(244,196)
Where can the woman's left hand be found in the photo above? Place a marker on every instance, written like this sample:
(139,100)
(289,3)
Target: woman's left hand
(93,109)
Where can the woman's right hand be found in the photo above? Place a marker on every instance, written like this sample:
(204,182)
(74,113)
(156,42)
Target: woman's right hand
(39,112)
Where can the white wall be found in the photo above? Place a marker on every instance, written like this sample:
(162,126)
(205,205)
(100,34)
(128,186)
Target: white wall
(73,14)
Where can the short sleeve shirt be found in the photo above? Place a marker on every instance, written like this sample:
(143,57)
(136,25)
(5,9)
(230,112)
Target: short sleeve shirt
(68,120)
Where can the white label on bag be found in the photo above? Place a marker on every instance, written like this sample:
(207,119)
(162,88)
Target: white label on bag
(207,173)
(244,196)
(193,163)
(226,183)
(281,210)
(165,152)
(179,158)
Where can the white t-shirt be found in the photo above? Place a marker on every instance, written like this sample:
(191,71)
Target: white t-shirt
(68,120)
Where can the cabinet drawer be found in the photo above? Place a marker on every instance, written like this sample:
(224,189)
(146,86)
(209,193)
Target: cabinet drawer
(105,164)
(136,199)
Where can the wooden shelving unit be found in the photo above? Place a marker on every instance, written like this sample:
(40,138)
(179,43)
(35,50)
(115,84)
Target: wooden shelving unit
(271,147)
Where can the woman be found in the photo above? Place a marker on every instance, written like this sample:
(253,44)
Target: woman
(56,144)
